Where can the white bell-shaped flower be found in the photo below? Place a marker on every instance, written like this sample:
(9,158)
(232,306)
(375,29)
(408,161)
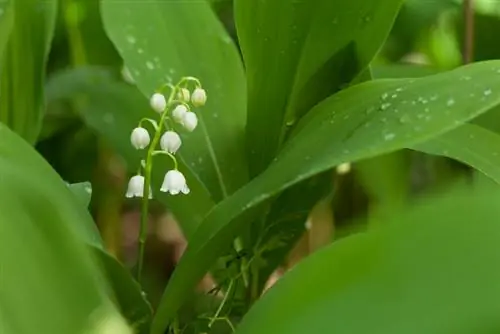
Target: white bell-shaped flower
(184,95)
(199,97)
(174,183)
(170,142)
(179,112)
(136,187)
(158,102)
(190,121)
(140,138)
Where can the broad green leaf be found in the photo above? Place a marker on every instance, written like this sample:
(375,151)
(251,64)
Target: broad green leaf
(125,290)
(83,191)
(296,54)
(6,23)
(386,281)
(360,122)
(23,64)
(46,269)
(127,293)
(118,106)
(163,41)
(470,144)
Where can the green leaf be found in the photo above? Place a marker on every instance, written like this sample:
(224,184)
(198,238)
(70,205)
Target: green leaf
(46,269)
(116,105)
(358,123)
(393,71)
(83,191)
(126,292)
(22,69)
(385,281)
(166,40)
(296,54)
(386,179)
(470,144)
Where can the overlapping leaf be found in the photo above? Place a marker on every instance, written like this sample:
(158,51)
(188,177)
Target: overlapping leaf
(360,122)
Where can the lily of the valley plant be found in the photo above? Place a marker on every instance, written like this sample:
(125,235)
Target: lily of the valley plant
(178,107)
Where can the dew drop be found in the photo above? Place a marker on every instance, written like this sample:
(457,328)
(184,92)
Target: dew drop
(384,96)
(450,102)
(150,65)
(404,119)
(131,39)
(399,89)
(389,136)
(434,97)
(384,106)
(426,110)
(487,92)
(394,96)
(140,51)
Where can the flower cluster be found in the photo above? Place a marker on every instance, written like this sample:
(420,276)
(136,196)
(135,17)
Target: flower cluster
(178,108)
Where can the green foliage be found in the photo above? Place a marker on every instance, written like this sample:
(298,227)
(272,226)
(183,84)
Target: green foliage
(358,123)
(40,220)
(27,29)
(216,152)
(295,57)
(295,89)
(416,267)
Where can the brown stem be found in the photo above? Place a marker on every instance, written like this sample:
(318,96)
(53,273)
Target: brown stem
(468,12)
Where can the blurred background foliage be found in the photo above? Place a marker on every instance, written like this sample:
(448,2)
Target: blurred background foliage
(427,38)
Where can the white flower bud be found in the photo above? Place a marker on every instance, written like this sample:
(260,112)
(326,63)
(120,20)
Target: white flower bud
(199,97)
(179,113)
(136,187)
(158,102)
(184,95)
(140,138)
(174,183)
(190,121)
(170,142)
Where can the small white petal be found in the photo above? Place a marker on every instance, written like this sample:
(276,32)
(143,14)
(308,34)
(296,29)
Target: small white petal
(190,121)
(184,95)
(179,113)
(170,142)
(185,190)
(199,97)
(135,186)
(140,138)
(174,182)
(158,102)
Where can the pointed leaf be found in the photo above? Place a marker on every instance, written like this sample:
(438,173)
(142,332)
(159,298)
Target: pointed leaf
(470,144)
(299,52)
(358,123)
(46,269)
(164,41)
(23,58)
